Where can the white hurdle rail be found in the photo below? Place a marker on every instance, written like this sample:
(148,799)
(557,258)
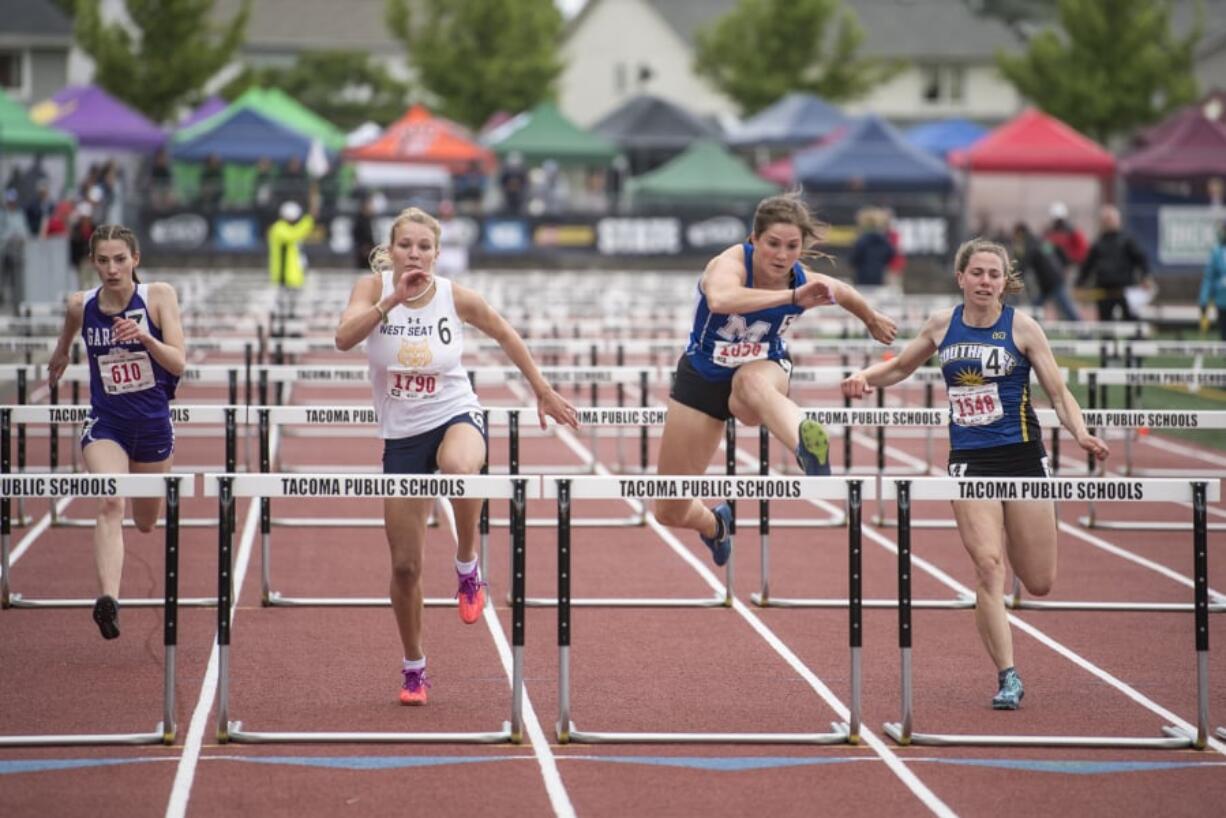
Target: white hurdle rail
(1198,492)
(566,490)
(228,487)
(170,486)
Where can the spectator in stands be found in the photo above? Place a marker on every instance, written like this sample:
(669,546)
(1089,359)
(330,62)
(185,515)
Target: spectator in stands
(898,265)
(1044,263)
(470,188)
(14,231)
(39,210)
(286,261)
(364,231)
(293,184)
(1114,264)
(264,183)
(78,244)
(1213,285)
(212,184)
(1062,234)
(514,184)
(160,181)
(872,252)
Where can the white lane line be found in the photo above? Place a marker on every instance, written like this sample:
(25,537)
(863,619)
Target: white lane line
(558,796)
(180,792)
(42,525)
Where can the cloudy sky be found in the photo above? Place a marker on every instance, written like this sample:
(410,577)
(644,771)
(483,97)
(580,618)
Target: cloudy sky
(569,7)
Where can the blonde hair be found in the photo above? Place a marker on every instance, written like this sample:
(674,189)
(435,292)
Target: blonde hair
(381,256)
(1013,279)
(115,232)
(790,208)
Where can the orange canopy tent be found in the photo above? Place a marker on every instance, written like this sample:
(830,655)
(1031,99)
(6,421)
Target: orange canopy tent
(421,137)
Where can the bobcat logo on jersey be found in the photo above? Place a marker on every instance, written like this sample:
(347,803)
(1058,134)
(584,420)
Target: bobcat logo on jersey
(414,355)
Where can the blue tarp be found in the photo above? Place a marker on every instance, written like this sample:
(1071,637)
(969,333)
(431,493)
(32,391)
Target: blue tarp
(245,137)
(943,136)
(873,156)
(792,122)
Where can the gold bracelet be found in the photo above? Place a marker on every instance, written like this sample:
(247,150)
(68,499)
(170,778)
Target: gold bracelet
(382,313)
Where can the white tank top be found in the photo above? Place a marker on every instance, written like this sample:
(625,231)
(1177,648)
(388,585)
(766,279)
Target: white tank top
(418,380)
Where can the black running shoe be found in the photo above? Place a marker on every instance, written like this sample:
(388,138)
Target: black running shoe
(106,614)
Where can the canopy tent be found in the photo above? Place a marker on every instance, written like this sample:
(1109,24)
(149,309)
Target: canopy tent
(704,173)
(212,105)
(793,121)
(245,136)
(20,134)
(1212,106)
(943,136)
(98,120)
(873,156)
(419,137)
(652,130)
(278,106)
(1195,147)
(1034,142)
(543,133)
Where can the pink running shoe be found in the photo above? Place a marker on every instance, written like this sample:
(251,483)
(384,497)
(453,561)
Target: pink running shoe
(471,594)
(413,693)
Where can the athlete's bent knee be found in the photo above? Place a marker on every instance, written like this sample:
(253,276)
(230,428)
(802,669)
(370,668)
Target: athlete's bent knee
(671,512)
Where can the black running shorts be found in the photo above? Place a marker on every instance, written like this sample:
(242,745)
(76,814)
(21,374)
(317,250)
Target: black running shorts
(1012,460)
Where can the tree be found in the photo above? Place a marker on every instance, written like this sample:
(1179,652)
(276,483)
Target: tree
(163,57)
(763,49)
(346,88)
(1110,67)
(475,57)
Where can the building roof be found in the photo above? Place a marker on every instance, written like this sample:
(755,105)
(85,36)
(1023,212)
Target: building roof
(310,25)
(906,29)
(40,19)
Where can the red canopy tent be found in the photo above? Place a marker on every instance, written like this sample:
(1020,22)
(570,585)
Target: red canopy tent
(1034,142)
(422,138)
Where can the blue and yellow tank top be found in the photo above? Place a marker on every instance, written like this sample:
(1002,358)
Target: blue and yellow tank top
(720,343)
(988,382)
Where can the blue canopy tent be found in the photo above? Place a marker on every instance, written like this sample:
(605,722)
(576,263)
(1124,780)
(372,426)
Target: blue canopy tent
(872,157)
(245,137)
(794,121)
(943,136)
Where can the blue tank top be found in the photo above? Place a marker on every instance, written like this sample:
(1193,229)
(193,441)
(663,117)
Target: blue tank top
(988,381)
(125,382)
(720,343)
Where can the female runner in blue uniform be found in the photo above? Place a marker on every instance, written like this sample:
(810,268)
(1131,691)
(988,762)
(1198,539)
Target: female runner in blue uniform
(737,364)
(987,350)
(134,341)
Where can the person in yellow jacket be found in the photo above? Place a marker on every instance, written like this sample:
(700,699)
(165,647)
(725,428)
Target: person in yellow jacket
(285,262)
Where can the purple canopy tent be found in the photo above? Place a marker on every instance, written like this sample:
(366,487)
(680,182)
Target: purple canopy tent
(206,109)
(98,120)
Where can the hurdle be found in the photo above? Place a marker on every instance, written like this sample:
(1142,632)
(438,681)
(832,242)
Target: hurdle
(1198,492)
(565,490)
(170,486)
(228,487)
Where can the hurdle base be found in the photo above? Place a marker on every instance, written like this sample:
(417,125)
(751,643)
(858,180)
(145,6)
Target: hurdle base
(1142,525)
(276,599)
(1221,733)
(128,522)
(19,601)
(840,735)
(158,736)
(237,735)
(891,522)
(717,601)
(635,521)
(1176,741)
(959,603)
(1088,605)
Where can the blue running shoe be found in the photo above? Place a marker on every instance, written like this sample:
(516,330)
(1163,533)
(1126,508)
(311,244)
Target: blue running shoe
(813,451)
(721,543)
(1009,697)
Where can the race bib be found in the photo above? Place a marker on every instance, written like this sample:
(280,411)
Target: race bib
(411,384)
(975,405)
(125,371)
(735,353)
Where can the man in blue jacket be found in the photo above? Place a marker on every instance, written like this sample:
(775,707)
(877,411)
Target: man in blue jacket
(1213,285)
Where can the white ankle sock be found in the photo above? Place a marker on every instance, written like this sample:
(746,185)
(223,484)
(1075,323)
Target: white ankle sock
(415,664)
(465,567)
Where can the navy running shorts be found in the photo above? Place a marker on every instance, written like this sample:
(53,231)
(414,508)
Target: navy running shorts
(419,454)
(144,441)
(691,389)
(1012,460)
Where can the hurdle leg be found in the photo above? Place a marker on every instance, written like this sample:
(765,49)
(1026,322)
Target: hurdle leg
(901,731)
(564,725)
(171,607)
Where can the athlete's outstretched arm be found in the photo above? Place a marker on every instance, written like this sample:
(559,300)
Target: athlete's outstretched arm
(475,310)
(362,314)
(73,318)
(913,355)
(880,326)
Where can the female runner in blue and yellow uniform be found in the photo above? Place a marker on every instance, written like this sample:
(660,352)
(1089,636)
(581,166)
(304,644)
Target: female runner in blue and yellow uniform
(736,363)
(987,350)
(134,341)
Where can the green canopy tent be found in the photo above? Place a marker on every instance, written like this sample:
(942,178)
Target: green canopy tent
(20,134)
(543,133)
(705,174)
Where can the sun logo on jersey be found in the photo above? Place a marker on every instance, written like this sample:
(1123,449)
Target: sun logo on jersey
(968,377)
(414,355)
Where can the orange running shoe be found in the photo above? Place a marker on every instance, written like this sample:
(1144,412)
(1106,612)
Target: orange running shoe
(471,594)
(413,692)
